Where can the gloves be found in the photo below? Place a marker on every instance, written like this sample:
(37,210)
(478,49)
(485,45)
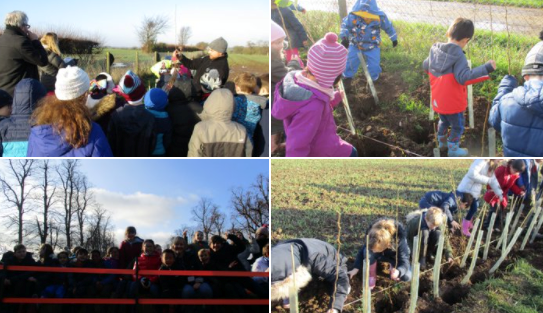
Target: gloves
(345,42)
(394,43)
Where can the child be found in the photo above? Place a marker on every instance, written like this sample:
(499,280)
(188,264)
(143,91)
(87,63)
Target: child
(278,72)
(102,101)
(15,130)
(311,257)
(304,100)
(148,260)
(217,135)
(130,130)
(156,101)
(449,74)
(262,264)
(108,283)
(21,283)
(171,286)
(481,172)
(130,248)
(429,221)
(361,33)
(158,249)
(82,285)
(56,287)
(184,258)
(248,106)
(198,241)
(448,202)
(211,71)
(387,243)
(507,177)
(517,111)
(297,37)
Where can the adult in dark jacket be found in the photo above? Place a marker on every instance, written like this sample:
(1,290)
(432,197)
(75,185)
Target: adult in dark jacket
(211,71)
(21,52)
(15,130)
(447,201)
(48,73)
(312,257)
(183,112)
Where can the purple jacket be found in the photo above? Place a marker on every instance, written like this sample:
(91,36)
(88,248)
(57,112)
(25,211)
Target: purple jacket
(307,115)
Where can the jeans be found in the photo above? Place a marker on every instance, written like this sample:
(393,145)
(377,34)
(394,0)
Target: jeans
(204,292)
(455,121)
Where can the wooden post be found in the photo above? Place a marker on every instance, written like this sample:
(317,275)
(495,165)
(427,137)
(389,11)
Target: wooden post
(470,103)
(470,242)
(491,142)
(489,235)
(342,4)
(368,77)
(474,257)
(293,292)
(137,64)
(108,56)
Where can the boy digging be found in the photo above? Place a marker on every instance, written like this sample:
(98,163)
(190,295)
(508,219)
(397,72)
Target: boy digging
(449,74)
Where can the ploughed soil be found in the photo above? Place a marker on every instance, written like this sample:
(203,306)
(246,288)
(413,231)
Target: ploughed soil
(314,297)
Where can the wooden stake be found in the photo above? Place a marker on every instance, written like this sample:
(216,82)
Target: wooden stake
(474,257)
(470,242)
(368,77)
(489,235)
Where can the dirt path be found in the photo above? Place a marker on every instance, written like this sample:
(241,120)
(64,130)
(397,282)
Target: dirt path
(526,21)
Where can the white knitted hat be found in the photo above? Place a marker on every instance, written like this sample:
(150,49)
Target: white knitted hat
(71,83)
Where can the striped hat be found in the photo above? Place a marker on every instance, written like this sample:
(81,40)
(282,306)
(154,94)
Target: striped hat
(326,60)
(131,87)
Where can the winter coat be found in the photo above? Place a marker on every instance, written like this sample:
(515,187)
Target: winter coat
(20,58)
(101,112)
(446,201)
(278,72)
(197,246)
(449,74)
(261,147)
(229,253)
(77,280)
(248,112)
(48,73)
(162,131)
(362,26)
(401,251)
(148,262)
(44,141)
(16,277)
(261,265)
(308,120)
(15,130)
(216,135)
(206,69)
(170,284)
(295,31)
(529,178)
(182,110)
(476,178)
(517,113)
(46,278)
(507,181)
(112,264)
(416,218)
(312,256)
(130,132)
(128,251)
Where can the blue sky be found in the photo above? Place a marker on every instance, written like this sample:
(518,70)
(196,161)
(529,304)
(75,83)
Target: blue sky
(238,21)
(156,196)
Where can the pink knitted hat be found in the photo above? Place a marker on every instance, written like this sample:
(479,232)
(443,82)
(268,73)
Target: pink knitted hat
(276,32)
(326,60)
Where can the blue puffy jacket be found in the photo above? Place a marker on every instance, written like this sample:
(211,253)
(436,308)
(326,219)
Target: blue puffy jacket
(44,141)
(362,26)
(517,112)
(14,131)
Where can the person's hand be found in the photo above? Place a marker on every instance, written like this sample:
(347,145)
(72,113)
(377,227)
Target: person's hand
(32,36)
(394,43)
(522,193)
(196,286)
(304,43)
(394,274)
(32,279)
(345,42)
(234,263)
(455,225)
(493,63)
(352,273)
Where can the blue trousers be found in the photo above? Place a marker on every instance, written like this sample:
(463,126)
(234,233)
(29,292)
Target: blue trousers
(204,292)
(455,122)
(373,59)
(472,209)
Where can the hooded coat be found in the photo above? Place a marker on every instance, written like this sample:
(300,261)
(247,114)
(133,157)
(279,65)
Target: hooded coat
(477,177)
(308,120)
(312,257)
(449,74)
(507,182)
(446,201)
(20,58)
(130,132)
(206,69)
(416,218)
(217,135)
(295,31)
(248,112)
(517,113)
(15,130)
(101,112)
(128,251)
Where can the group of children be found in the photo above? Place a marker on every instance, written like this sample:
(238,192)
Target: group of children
(298,105)
(195,111)
(391,241)
(134,252)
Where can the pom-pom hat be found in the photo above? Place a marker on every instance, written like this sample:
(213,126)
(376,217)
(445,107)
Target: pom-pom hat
(326,60)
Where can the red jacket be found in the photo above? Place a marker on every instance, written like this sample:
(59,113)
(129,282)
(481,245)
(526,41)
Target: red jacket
(507,181)
(129,251)
(149,262)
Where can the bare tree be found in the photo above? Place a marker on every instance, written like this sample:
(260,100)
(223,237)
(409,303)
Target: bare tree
(251,207)
(184,35)
(202,213)
(17,192)
(84,198)
(100,233)
(67,172)
(217,220)
(48,190)
(149,30)
(54,231)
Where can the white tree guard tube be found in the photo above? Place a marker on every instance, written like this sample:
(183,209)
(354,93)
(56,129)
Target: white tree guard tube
(470,103)
(414,288)
(489,235)
(505,231)
(509,247)
(532,224)
(437,263)
(368,77)
(293,291)
(431,115)
(491,142)
(515,222)
(474,257)
(470,242)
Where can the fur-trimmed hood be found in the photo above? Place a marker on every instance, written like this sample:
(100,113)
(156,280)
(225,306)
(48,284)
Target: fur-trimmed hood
(280,289)
(101,107)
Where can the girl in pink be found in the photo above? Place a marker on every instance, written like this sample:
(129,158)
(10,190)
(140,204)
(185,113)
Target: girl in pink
(305,100)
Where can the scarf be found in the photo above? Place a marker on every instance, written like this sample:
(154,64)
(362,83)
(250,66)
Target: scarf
(308,82)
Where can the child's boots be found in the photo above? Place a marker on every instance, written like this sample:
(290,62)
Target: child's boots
(466,225)
(456,151)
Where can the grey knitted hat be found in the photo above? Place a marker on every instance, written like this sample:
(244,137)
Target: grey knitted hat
(219,45)
(533,65)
